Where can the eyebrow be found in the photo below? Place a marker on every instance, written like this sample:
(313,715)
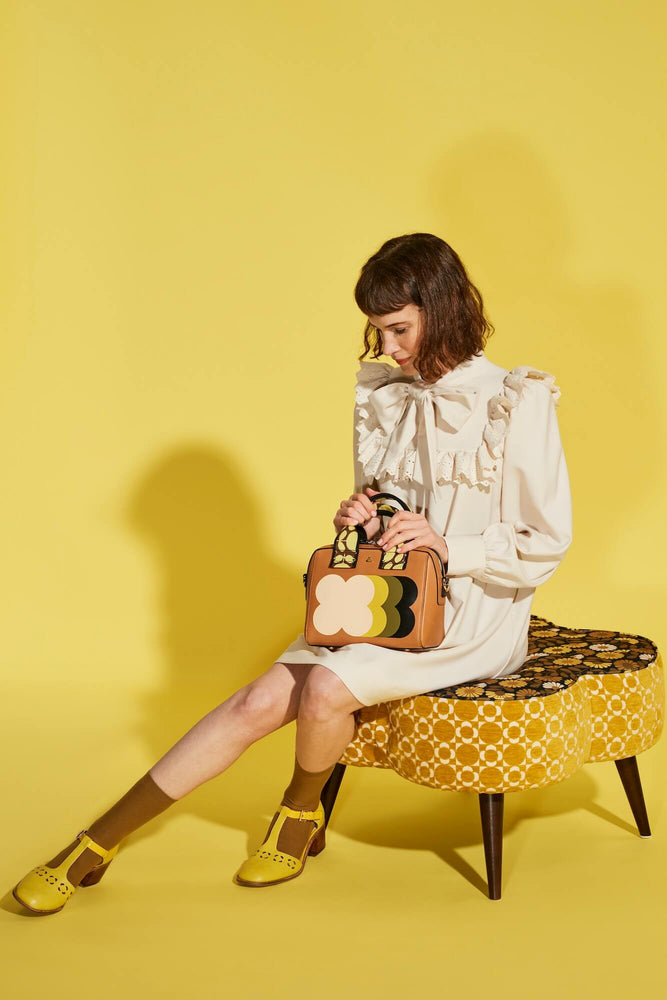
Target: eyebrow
(390,325)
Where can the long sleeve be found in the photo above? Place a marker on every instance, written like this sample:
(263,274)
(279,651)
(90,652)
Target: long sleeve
(526,546)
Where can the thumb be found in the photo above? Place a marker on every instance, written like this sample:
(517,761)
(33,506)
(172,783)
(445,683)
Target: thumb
(371,491)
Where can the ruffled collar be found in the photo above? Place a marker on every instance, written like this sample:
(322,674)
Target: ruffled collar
(400,417)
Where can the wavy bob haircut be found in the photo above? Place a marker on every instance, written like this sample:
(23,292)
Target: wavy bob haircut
(422,269)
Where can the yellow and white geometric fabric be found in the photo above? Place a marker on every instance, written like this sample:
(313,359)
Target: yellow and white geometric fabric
(581,695)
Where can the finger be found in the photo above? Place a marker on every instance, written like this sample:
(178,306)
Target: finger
(361,516)
(343,515)
(403,536)
(363,503)
(350,511)
(406,546)
(392,538)
(362,497)
(423,538)
(398,520)
(368,505)
(364,508)
(404,517)
(347,521)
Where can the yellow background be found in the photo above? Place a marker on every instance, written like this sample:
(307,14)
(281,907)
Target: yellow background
(188,194)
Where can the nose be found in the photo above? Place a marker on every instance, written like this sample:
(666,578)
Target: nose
(388,347)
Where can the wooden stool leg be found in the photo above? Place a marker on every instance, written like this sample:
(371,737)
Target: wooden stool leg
(629,772)
(491,809)
(330,790)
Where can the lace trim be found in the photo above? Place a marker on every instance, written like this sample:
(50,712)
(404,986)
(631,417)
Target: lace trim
(476,468)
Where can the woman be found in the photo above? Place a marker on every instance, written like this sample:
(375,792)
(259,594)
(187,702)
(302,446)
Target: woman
(475,451)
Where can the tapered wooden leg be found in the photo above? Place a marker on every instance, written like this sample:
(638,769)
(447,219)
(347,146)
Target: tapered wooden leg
(629,772)
(491,808)
(330,790)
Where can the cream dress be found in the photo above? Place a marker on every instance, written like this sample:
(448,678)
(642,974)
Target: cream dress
(479,454)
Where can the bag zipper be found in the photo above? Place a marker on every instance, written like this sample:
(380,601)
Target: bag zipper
(444,586)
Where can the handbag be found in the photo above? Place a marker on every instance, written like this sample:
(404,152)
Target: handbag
(356,591)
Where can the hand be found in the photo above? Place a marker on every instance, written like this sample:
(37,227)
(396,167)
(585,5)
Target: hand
(358,509)
(408,530)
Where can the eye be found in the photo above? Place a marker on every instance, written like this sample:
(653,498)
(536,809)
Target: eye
(401,331)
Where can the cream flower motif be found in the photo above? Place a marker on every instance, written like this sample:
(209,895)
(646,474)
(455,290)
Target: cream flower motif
(344,604)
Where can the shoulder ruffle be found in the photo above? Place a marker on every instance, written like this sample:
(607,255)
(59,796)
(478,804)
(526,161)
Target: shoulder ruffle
(370,375)
(475,468)
(478,468)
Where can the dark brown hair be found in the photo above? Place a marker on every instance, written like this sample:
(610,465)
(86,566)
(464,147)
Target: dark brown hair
(422,269)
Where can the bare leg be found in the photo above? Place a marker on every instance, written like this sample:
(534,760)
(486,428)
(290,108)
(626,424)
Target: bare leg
(325,720)
(325,726)
(209,747)
(221,736)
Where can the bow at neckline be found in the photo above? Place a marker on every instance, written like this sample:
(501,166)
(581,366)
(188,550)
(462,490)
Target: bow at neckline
(411,413)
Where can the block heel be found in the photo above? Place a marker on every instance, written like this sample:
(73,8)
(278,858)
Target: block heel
(95,875)
(318,842)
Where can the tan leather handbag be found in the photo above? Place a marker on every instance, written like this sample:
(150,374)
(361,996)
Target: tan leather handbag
(358,592)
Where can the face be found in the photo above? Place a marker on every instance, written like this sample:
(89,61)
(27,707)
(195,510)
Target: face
(401,334)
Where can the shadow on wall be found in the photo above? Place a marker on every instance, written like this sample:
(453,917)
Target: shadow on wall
(225,608)
(504,201)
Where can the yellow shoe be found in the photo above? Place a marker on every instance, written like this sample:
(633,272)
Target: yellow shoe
(46,890)
(268,865)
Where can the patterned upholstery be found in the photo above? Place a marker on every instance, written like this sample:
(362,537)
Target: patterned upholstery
(581,695)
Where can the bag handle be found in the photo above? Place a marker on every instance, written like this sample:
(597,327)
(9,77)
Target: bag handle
(385,507)
(346,544)
(382,509)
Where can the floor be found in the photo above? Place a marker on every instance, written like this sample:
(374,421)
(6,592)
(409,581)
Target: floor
(396,902)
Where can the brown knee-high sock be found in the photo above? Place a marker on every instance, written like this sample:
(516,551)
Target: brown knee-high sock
(303,792)
(144,800)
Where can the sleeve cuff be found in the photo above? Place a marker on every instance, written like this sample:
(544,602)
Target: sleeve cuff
(466,554)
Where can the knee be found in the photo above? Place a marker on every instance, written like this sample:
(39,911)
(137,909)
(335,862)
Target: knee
(324,695)
(257,706)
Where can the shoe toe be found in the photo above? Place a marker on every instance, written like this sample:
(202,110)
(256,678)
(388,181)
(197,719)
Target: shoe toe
(41,890)
(264,867)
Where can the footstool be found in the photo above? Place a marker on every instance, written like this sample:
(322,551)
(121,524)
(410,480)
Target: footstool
(581,696)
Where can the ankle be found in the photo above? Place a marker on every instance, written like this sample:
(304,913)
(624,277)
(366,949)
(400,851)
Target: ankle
(300,802)
(305,788)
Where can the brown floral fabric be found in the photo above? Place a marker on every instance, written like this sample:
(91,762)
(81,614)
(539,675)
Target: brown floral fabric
(557,657)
